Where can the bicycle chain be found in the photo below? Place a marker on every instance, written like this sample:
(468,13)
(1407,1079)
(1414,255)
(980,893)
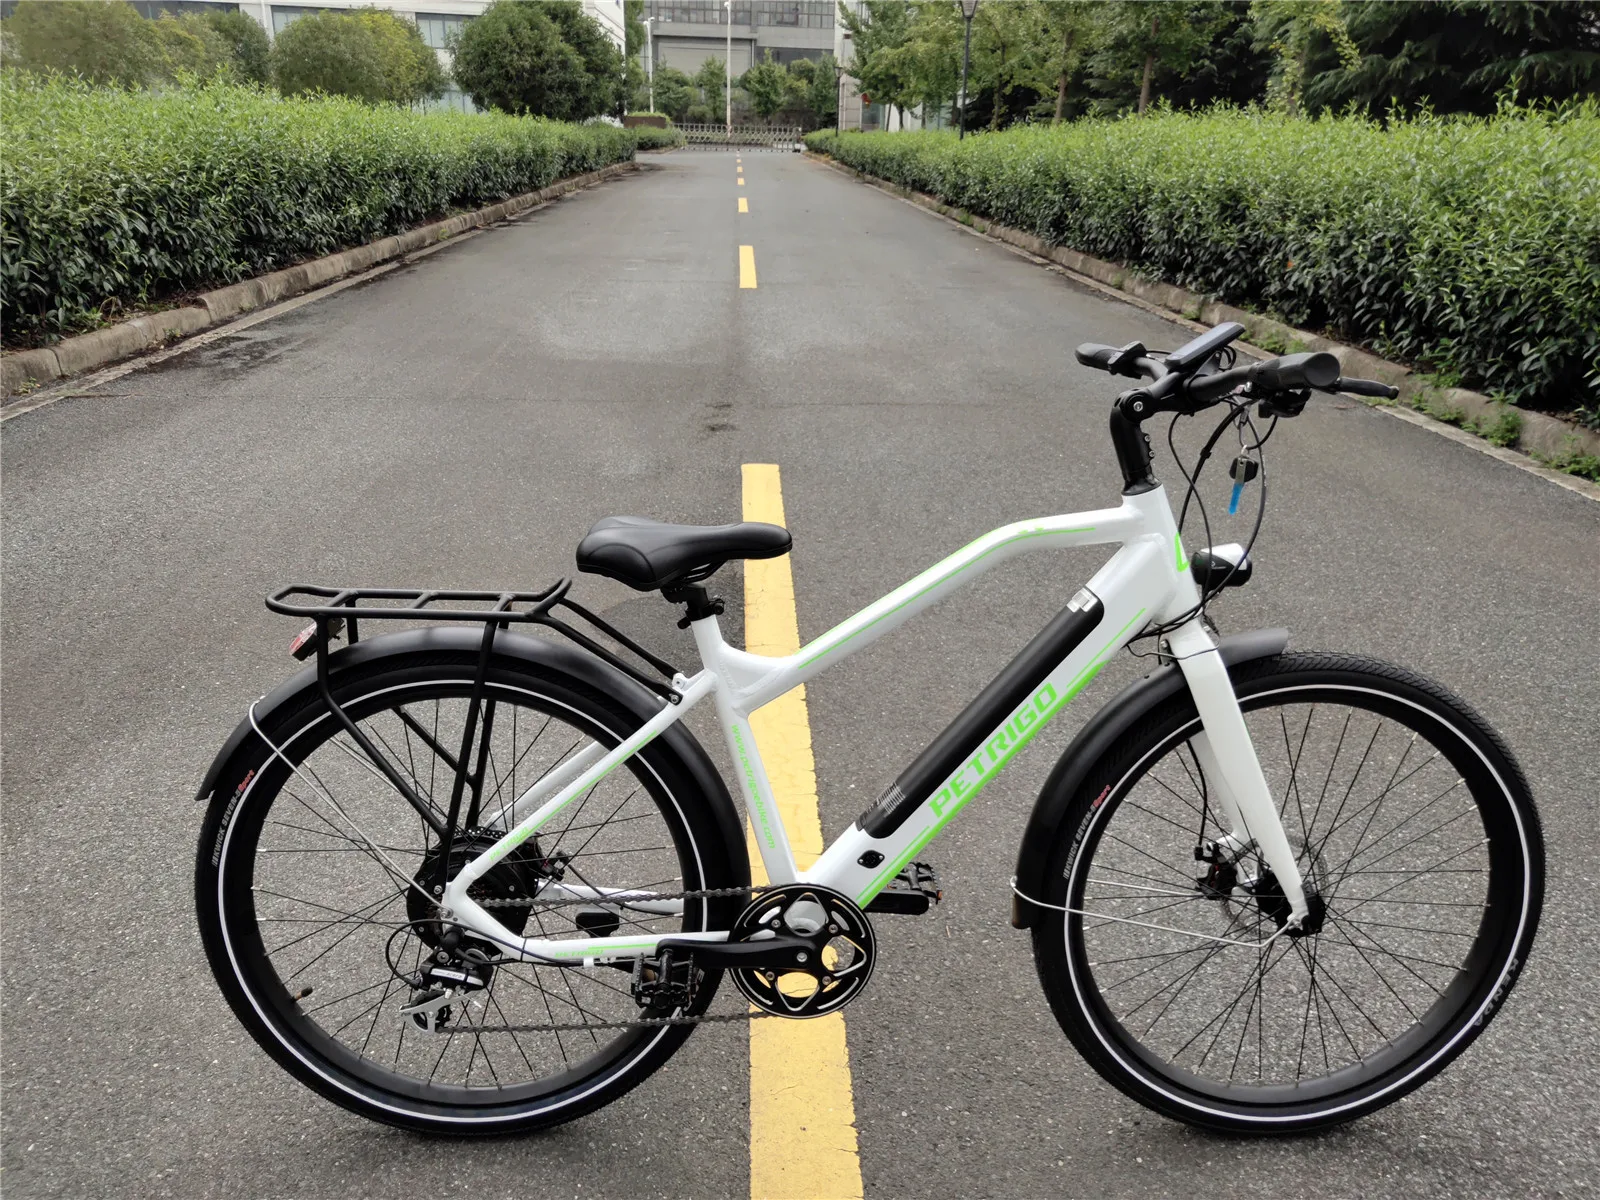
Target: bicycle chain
(639,1022)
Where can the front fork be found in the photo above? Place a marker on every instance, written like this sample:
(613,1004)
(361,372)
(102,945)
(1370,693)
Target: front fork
(1228,760)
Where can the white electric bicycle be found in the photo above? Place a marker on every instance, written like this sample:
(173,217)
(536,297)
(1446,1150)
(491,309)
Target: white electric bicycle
(467,880)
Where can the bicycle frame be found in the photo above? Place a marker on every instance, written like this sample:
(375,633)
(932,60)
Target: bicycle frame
(1146,581)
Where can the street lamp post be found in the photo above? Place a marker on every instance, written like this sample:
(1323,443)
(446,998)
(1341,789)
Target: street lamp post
(727,80)
(650,58)
(838,88)
(969,9)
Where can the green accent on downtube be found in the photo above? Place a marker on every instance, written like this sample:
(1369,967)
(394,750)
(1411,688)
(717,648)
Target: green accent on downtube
(956,803)
(754,791)
(1177,545)
(936,582)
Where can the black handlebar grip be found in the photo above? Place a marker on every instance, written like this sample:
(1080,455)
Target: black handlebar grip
(1313,369)
(1365,387)
(1093,354)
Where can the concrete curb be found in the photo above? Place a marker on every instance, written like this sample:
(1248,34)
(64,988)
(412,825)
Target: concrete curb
(1538,431)
(25,370)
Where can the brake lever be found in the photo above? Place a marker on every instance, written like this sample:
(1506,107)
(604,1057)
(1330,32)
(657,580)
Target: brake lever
(1283,404)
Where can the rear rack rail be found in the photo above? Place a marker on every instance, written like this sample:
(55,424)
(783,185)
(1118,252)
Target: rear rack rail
(338,611)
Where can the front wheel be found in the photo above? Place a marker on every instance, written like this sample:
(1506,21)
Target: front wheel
(1163,957)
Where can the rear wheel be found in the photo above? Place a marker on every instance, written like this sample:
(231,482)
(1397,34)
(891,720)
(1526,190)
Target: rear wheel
(317,933)
(1408,817)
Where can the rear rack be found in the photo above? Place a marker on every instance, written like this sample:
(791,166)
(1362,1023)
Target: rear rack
(336,611)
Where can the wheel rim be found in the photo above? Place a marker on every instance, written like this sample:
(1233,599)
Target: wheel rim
(628,832)
(1397,821)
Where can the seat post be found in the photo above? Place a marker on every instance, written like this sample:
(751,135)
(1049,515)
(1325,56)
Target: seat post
(700,604)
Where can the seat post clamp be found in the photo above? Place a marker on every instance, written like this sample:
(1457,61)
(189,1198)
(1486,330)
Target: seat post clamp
(700,604)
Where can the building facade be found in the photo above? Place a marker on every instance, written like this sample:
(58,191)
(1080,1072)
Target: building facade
(684,33)
(436,20)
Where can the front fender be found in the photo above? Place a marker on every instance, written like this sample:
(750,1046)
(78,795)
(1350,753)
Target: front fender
(1103,732)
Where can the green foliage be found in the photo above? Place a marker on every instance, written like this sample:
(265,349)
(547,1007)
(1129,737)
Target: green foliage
(649,137)
(1463,243)
(366,54)
(248,42)
(111,43)
(766,83)
(711,79)
(675,92)
(547,59)
(1458,55)
(110,198)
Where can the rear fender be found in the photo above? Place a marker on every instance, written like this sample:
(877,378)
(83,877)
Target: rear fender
(510,649)
(1104,730)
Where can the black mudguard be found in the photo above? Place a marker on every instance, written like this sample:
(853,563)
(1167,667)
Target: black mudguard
(1103,732)
(510,650)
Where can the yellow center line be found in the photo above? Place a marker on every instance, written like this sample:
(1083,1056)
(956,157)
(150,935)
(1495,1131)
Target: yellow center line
(747,266)
(741,181)
(802,1105)
(744,205)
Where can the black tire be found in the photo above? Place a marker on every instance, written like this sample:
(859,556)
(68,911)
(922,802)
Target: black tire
(1155,971)
(243,843)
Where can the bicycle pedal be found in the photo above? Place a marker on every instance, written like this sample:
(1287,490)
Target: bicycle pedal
(909,893)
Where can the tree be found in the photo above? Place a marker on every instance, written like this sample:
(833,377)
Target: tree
(767,85)
(712,80)
(822,96)
(1457,55)
(250,46)
(368,54)
(602,61)
(1071,31)
(1288,28)
(1139,39)
(515,58)
(674,93)
(110,43)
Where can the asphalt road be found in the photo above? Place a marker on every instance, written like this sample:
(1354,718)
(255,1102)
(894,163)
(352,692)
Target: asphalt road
(462,421)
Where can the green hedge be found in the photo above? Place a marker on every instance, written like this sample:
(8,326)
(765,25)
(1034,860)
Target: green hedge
(111,198)
(649,137)
(1469,245)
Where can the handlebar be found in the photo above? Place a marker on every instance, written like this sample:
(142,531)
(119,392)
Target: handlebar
(1181,383)
(1315,369)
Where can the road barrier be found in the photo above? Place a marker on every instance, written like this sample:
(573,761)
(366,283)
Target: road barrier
(780,136)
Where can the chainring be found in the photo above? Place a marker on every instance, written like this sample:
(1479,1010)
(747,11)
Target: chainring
(846,950)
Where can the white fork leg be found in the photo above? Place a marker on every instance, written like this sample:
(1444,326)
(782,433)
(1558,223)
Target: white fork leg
(1233,766)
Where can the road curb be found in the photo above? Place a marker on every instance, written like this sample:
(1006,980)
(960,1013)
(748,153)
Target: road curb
(1466,409)
(25,370)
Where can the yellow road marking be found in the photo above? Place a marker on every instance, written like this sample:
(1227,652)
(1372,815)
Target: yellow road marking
(802,1106)
(744,205)
(747,266)
(741,181)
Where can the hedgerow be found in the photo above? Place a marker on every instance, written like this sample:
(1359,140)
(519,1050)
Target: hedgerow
(651,137)
(112,198)
(1470,245)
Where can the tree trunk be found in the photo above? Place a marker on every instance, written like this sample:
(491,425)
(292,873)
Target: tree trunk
(994,116)
(1149,66)
(1061,84)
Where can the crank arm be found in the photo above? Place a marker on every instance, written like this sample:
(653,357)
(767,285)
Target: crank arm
(794,953)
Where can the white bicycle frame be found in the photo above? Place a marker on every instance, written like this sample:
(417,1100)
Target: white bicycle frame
(1146,581)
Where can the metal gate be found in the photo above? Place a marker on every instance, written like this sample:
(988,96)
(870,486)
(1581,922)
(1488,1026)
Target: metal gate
(779,137)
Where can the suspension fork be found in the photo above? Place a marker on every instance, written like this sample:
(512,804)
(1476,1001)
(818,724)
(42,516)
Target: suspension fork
(1228,760)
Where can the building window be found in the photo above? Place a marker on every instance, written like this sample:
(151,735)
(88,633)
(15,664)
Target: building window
(284,16)
(437,30)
